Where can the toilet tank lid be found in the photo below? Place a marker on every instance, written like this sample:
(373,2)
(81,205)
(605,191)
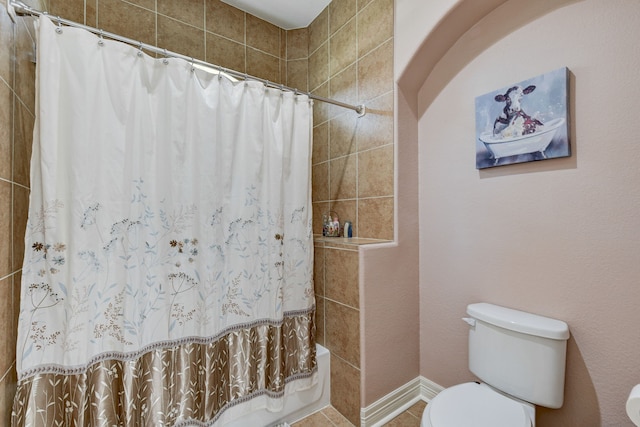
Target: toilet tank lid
(519,321)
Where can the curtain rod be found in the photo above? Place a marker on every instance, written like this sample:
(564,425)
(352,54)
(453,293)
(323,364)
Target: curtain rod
(22,9)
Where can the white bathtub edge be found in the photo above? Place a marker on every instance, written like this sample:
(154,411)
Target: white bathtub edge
(297,405)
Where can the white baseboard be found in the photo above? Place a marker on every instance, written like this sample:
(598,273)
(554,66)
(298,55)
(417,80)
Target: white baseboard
(429,389)
(393,404)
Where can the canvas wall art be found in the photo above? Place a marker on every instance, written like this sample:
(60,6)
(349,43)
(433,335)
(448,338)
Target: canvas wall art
(524,122)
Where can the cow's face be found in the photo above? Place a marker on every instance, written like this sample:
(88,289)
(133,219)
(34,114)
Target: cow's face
(513,97)
(516,96)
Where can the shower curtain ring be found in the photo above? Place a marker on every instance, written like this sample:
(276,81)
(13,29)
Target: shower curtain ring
(140,49)
(219,72)
(165,60)
(193,68)
(101,35)
(59,28)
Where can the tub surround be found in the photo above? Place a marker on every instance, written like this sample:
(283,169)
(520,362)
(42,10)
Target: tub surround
(346,54)
(350,58)
(339,317)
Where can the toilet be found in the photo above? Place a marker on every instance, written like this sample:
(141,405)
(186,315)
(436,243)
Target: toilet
(519,357)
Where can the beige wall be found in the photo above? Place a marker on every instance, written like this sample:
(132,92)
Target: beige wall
(558,237)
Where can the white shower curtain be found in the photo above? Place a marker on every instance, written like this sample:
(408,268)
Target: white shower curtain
(168,270)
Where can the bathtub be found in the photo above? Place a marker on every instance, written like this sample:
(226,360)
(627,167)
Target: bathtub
(532,143)
(296,405)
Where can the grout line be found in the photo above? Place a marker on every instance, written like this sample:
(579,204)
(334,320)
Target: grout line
(13,107)
(327,418)
(155,16)
(338,412)
(12,227)
(20,185)
(382,43)
(179,20)
(204,27)
(340,303)
(357,136)
(11,368)
(10,274)
(142,7)
(24,105)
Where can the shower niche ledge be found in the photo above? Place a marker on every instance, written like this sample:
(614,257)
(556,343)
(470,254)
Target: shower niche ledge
(346,241)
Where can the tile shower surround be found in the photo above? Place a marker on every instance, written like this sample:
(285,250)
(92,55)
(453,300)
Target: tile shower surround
(346,53)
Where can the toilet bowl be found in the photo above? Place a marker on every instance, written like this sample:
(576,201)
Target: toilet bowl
(478,405)
(519,356)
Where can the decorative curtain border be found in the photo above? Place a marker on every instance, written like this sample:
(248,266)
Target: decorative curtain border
(188,384)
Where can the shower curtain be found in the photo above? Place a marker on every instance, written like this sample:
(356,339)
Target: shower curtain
(167,277)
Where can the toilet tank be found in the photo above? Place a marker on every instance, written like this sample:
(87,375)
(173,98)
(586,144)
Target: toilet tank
(518,353)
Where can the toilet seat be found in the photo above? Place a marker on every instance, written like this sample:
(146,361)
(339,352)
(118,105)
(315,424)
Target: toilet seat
(477,405)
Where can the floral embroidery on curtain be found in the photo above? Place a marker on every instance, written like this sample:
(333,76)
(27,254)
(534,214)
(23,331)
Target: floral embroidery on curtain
(169,261)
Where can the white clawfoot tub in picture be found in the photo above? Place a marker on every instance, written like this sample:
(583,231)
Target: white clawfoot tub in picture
(296,405)
(531,143)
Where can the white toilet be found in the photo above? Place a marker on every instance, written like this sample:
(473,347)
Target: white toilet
(519,356)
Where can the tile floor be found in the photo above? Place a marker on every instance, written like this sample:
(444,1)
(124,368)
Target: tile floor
(329,417)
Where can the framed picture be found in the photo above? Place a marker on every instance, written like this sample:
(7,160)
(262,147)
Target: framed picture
(524,122)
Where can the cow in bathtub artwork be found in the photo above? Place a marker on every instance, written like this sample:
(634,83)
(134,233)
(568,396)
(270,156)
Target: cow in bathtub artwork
(524,122)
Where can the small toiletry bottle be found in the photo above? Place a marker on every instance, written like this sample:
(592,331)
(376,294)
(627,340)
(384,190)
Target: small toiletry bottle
(348,229)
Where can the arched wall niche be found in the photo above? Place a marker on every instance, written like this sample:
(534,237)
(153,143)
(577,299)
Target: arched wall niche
(590,39)
(464,31)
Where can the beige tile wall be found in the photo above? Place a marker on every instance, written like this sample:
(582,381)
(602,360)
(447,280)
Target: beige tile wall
(346,53)
(351,59)
(208,30)
(17,107)
(338,320)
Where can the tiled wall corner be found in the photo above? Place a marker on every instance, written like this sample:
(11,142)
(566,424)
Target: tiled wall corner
(338,320)
(17,107)
(351,59)
(207,30)
(345,389)
(297,59)
(318,283)
(7,341)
